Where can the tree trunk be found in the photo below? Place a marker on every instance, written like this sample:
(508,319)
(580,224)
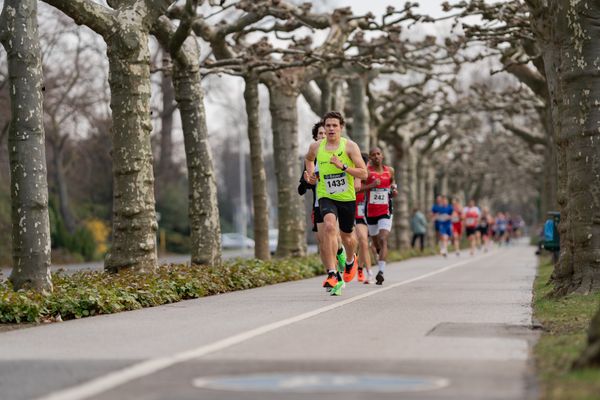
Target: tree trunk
(29,186)
(429,176)
(326,86)
(125,30)
(134,218)
(411,164)
(401,211)
(550,173)
(61,185)
(360,112)
(290,207)
(421,180)
(338,99)
(570,53)
(165,163)
(259,176)
(205,227)
(591,355)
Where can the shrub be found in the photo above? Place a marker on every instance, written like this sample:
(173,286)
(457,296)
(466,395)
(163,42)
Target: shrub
(90,293)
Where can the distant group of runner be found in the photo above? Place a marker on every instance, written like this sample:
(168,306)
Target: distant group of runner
(478,224)
(352,203)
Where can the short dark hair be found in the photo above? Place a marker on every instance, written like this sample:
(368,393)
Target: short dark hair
(334,114)
(315,129)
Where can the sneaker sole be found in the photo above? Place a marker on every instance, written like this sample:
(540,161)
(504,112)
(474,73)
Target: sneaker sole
(337,290)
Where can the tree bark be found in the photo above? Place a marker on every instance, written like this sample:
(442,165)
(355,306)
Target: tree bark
(421,183)
(259,175)
(429,177)
(567,32)
(205,227)
(360,112)
(134,218)
(401,211)
(27,157)
(125,30)
(591,355)
(326,85)
(570,55)
(61,184)
(290,207)
(165,163)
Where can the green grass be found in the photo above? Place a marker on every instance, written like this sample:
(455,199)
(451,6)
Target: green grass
(565,321)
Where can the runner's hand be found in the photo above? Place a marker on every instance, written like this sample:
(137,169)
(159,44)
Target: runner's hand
(311,179)
(336,161)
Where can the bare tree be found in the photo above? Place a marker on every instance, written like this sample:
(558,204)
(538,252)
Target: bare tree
(125,27)
(29,188)
(566,32)
(205,227)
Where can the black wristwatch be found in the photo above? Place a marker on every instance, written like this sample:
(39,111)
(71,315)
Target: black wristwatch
(344,167)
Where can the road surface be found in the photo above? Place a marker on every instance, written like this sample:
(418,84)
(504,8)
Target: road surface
(455,328)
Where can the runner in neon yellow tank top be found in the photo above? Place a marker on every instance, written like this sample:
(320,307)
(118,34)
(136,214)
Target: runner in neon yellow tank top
(339,162)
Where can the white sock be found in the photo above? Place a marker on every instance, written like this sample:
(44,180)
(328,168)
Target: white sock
(381,265)
(350,261)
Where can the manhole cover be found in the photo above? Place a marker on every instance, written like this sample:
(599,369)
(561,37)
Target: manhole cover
(320,382)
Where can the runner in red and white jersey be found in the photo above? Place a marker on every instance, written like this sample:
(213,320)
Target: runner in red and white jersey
(457,224)
(380,190)
(471,215)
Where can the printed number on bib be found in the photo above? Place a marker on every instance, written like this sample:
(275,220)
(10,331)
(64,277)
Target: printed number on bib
(336,183)
(470,221)
(378,196)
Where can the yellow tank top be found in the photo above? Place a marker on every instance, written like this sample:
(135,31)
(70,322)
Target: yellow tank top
(334,183)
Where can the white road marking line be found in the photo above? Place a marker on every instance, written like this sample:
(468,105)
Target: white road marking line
(144,368)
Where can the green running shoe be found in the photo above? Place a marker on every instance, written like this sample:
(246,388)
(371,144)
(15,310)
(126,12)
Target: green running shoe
(341,258)
(337,289)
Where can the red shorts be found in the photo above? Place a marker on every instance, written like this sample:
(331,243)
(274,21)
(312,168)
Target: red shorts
(457,229)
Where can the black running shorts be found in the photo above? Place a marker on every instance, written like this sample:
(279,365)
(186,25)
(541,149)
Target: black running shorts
(317,218)
(343,210)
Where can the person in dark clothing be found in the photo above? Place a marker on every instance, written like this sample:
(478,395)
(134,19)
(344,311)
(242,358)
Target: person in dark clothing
(318,133)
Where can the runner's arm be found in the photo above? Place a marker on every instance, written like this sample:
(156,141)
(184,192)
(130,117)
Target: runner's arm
(309,160)
(360,169)
(393,186)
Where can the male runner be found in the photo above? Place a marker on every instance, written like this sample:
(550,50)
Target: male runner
(379,214)
(471,215)
(457,224)
(339,162)
(318,133)
(443,213)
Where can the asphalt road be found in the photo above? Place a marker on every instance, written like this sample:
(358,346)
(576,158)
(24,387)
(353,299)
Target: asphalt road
(455,328)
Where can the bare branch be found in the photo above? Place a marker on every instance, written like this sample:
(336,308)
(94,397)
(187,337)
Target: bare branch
(86,12)
(528,137)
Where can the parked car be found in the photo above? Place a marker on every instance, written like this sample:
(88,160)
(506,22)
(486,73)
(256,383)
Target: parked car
(273,236)
(236,241)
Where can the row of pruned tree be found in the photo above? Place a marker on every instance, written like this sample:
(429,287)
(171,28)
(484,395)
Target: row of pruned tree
(344,56)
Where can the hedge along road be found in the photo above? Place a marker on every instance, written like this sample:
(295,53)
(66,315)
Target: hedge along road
(228,254)
(455,328)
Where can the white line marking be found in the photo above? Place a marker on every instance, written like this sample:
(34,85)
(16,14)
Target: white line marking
(144,368)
